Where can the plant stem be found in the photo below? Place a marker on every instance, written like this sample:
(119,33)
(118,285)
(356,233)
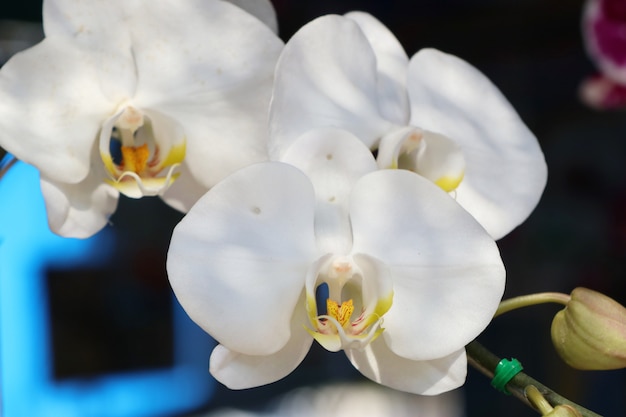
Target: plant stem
(485,361)
(532,299)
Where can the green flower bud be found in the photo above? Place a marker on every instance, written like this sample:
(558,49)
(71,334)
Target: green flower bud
(590,332)
(563,411)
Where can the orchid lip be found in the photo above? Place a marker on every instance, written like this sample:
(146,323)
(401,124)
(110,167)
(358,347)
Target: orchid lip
(141,152)
(358,298)
(344,339)
(129,183)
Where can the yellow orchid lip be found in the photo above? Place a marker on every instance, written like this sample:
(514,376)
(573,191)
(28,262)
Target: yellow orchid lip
(132,153)
(134,186)
(343,339)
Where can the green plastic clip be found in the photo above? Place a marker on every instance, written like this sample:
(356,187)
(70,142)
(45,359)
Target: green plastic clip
(504,373)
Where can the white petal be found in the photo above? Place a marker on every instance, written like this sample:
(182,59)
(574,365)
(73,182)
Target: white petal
(52,113)
(239,371)
(506,172)
(326,77)
(238,260)
(377,285)
(392,64)
(85,20)
(184,192)
(212,72)
(210,49)
(432,377)
(261,9)
(80,210)
(333,160)
(167,134)
(447,272)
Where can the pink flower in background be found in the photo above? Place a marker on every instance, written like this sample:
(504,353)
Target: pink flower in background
(604,33)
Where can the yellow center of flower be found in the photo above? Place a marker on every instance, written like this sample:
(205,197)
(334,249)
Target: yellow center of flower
(355,303)
(340,313)
(141,160)
(135,158)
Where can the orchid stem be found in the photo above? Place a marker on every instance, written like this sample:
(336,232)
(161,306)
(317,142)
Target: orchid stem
(530,300)
(485,361)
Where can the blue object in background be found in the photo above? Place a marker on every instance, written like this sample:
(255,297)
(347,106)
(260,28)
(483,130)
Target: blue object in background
(28,383)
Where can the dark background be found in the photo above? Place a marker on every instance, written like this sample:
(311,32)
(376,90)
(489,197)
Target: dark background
(533,51)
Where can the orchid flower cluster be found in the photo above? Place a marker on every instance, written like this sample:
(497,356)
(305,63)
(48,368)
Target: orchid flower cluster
(336,190)
(393,246)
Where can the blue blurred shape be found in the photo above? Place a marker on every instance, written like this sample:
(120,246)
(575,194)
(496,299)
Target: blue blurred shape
(29,389)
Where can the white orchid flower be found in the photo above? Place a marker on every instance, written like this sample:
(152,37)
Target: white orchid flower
(433,114)
(324,246)
(144,98)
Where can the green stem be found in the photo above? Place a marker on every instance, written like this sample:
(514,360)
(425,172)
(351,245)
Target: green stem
(485,361)
(530,300)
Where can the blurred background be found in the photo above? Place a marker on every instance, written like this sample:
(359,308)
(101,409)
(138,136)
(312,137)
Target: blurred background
(103,329)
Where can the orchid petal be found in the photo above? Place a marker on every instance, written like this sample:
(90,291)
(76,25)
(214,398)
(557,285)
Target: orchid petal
(169,136)
(84,20)
(242,254)
(261,9)
(79,210)
(311,282)
(326,77)
(217,87)
(333,160)
(391,63)
(376,287)
(239,371)
(184,192)
(505,169)
(447,272)
(432,377)
(65,103)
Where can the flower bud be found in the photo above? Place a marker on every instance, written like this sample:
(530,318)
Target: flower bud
(590,332)
(563,411)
